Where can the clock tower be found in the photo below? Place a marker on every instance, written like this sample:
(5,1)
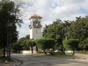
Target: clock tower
(35,27)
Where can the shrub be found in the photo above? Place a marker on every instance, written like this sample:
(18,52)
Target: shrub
(71,44)
(45,43)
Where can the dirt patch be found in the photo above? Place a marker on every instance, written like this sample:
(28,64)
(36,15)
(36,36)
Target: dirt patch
(9,63)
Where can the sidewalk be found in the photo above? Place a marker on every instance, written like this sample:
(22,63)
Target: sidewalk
(81,55)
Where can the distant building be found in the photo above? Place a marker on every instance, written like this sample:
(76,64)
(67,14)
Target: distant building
(35,31)
(35,27)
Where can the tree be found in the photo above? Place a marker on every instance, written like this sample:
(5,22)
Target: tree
(54,31)
(58,31)
(58,44)
(79,28)
(27,37)
(71,44)
(66,24)
(45,44)
(84,44)
(45,31)
(9,18)
(17,47)
(23,43)
(31,44)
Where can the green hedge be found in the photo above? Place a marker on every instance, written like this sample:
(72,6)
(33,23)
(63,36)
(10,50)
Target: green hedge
(45,43)
(71,44)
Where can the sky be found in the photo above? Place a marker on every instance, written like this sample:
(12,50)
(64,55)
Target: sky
(50,10)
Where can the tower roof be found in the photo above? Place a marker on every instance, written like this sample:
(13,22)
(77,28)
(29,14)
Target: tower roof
(35,16)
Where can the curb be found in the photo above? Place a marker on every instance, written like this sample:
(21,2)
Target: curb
(77,58)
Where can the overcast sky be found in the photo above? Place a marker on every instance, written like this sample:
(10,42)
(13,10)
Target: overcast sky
(51,10)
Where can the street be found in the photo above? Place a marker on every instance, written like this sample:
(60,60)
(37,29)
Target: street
(29,60)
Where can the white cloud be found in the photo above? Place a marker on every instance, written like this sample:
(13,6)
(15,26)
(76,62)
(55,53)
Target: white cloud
(51,10)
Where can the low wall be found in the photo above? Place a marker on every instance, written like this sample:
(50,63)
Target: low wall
(28,52)
(69,51)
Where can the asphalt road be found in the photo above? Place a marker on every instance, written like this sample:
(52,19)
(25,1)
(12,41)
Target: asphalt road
(48,61)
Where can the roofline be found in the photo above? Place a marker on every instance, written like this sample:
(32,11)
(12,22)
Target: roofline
(35,16)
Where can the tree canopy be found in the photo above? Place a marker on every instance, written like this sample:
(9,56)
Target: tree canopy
(8,20)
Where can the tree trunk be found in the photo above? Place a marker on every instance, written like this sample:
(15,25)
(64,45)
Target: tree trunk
(36,49)
(73,53)
(31,49)
(45,52)
(9,53)
(52,50)
(63,51)
(4,52)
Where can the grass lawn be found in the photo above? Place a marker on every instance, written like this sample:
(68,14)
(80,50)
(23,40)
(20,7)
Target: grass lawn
(67,55)
(55,55)
(83,52)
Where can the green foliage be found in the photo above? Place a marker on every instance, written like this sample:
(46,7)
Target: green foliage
(31,43)
(52,30)
(8,20)
(17,47)
(84,44)
(58,31)
(79,28)
(25,43)
(71,44)
(27,37)
(58,44)
(45,43)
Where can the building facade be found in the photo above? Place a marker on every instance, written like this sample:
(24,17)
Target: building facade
(35,27)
